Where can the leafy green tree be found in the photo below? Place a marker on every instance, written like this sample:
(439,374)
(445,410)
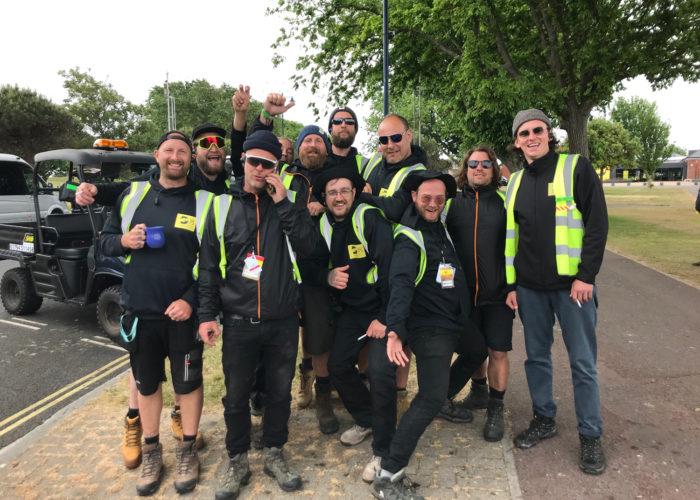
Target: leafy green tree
(30,123)
(610,145)
(640,118)
(485,59)
(101,110)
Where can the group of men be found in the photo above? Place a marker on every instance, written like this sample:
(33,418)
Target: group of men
(377,258)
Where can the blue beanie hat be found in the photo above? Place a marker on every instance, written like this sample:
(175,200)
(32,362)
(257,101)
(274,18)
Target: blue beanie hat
(313,129)
(266,140)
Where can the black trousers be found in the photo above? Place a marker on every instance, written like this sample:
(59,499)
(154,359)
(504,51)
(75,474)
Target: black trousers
(382,381)
(472,350)
(243,343)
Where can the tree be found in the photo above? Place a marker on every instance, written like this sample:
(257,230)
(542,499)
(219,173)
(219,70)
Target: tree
(101,110)
(610,145)
(639,117)
(489,58)
(30,123)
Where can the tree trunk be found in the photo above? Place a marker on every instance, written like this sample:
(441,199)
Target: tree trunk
(575,121)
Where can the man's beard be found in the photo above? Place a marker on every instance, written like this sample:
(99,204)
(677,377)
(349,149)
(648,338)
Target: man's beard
(343,142)
(313,163)
(208,169)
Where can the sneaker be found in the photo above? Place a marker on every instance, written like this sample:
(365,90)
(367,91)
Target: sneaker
(592,459)
(355,435)
(176,426)
(306,384)
(131,446)
(371,469)
(151,468)
(393,488)
(455,413)
(540,428)
(234,472)
(327,420)
(495,425)
(478,397)
(187,466)
(276,466)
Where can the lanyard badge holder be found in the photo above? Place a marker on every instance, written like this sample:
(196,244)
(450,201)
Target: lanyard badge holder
(252,266)
(446,275)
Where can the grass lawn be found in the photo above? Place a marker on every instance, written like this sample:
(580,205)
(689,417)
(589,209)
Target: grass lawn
(658,227)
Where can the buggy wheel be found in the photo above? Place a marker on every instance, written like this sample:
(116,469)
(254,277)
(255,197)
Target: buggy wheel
(18,293)
(109,311)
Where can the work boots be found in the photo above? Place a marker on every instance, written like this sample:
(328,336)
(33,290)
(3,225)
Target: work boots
(478,397)
(495,425)
(234,473)
(151,469)
(455,412)
(306,384)
(592,460)
(275,465)
(540,428)
(176,426)
(131,446)
(187,466)
(324,411)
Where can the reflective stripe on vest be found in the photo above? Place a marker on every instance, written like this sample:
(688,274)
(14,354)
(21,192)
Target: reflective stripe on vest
(131,202)
(287,181)
(222,204)
(398,179)
(358,225)
(372,162)
(568,230)
(417,238)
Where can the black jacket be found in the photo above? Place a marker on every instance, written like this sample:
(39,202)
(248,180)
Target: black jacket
(697,202)
(535,261)
(359,294)
(155,277)
(476,221)
(276,294)
(427,306)
(383,173)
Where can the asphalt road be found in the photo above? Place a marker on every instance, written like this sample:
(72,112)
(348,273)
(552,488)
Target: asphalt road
(649,371)
(49,359)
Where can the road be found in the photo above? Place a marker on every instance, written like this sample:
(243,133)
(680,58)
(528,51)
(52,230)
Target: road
(49,359)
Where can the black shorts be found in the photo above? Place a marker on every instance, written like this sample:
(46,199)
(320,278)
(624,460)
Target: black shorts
(496,323)
(176,340)
(317,320)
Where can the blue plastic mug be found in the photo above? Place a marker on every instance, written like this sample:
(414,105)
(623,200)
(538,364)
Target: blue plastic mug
(155,237)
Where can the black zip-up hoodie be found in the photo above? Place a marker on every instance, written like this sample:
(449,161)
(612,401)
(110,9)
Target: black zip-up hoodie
(427,306)
(359,294)
(383,173)
(535,260)
(477,223)
(155,277)
(254,224)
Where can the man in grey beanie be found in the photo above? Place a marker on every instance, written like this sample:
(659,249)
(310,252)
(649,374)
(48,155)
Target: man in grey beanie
(556,229)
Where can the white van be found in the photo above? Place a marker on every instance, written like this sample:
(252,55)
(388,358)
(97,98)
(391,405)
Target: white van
(16,192)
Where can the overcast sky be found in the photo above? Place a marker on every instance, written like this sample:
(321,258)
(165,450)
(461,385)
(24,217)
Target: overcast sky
(134,44)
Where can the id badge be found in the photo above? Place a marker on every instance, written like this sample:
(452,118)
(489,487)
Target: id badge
(252,266)
(446,275)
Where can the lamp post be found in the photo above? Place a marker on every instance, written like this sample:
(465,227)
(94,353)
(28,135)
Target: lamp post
(386,55)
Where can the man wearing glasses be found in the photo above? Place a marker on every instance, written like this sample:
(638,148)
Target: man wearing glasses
(556,228)
(248,273)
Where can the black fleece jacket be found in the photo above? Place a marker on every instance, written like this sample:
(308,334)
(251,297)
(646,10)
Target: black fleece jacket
(383,173)
(359,294)
(427,306)
(276,294)
(155,277)
(535,261)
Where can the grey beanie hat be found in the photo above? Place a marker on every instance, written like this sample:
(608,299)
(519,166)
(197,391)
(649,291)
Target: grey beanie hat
(527,115)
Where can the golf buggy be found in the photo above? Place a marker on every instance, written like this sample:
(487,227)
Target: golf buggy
(58,255)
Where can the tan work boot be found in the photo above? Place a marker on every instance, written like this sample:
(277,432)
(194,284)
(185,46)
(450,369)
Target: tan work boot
(151,468)
(306,384)
(176,426)
(187,466)
(131,446)
(324,411)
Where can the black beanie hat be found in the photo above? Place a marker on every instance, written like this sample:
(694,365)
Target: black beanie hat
(208,127)
(264,139)
(174,134)
(347,110)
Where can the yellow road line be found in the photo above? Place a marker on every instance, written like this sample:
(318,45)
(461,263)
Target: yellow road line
(53,399)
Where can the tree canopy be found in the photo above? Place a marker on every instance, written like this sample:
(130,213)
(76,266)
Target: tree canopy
(31,123)
(483,60)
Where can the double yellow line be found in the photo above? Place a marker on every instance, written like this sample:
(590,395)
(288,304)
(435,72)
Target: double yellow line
(53,399)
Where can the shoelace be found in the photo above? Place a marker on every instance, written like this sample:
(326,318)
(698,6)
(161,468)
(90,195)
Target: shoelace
(149,462)
(186,460)
(132,436)
(588,449)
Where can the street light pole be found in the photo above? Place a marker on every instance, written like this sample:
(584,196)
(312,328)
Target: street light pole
(386,56)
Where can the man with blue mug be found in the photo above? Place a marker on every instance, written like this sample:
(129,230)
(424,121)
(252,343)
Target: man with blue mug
(159,293)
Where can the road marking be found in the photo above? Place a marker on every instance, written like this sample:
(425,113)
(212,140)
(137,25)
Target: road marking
(20,324)
(29,321)
(69,390)
(111,346)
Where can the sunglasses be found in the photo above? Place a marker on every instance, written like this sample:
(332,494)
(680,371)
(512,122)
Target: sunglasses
(255,161)
(395,138)
(484,163)
(208,142)
(535,131)
(338,121)
(427,199)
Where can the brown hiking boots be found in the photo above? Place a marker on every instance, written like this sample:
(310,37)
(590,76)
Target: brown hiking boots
(187,466)
(306,384)
(327,420)
(151,469)
(131,446)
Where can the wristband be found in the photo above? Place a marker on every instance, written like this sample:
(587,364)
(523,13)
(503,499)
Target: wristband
(264,113)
